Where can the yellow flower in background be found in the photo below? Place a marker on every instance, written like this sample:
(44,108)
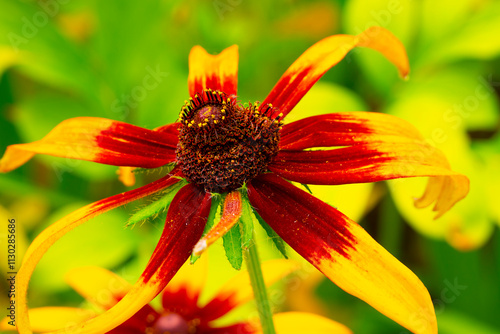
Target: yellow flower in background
(181,311)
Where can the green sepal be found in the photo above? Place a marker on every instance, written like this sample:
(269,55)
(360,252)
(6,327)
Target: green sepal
(216,202)
(232,246)
(278,241)
(165,169)
(307,187)
(246,220)
(157,207)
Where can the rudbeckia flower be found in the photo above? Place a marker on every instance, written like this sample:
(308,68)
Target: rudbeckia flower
(181,311)
(221,146)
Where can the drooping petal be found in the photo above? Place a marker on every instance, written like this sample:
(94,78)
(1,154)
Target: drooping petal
(230,216)
(104,289)
(239,290)
(219,72)
(184,225)
(182,293)
(325,54)
(57,230)
(300,322)
(344,252)
(99,140)
(376,162)
(44,319)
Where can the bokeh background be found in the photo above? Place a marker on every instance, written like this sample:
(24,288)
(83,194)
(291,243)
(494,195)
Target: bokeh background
(69,58)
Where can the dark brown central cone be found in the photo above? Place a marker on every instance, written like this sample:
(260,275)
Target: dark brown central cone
(222,144)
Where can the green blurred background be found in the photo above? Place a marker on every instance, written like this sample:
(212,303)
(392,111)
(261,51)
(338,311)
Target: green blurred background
(68,58)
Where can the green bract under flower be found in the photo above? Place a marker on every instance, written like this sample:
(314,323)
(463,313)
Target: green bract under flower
(222,144)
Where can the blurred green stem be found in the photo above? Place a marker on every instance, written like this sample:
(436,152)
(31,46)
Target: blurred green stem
(259,288)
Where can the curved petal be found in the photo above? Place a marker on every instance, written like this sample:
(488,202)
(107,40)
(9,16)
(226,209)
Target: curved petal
(230,215)
(104,289)
(100,140)
(239,290)
(377,162)
(184,226)
(299,322)
(325,54)
(55,231)
(344,252)
(44,319)
(218,72)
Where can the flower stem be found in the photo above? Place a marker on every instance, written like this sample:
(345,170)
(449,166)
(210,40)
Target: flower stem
(259,288)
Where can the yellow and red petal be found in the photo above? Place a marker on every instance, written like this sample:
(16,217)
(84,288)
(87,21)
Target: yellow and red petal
(45,319)
(300,322)
(346,129)
(99,140)
(230,215)
(239,290)
(374,162)
(104,289)
(344,252)
(57,230)
(219,72)
(184,226)
(126,174)
(325,54)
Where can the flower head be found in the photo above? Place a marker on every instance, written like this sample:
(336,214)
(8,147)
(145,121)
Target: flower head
(218,145)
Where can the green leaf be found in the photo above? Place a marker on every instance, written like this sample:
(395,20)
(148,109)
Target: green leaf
(278,242)
(307,188)
(232,246)
(216,201)
(246,221)
(157,207)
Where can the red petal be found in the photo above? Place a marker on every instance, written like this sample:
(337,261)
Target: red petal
(172,129)
(186,219)
(218,72)
(343,251)
(57,230)
(100,140)
(376,162)
(325,54)
(346,128)
(230,216)
(241,328)
(185,222)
